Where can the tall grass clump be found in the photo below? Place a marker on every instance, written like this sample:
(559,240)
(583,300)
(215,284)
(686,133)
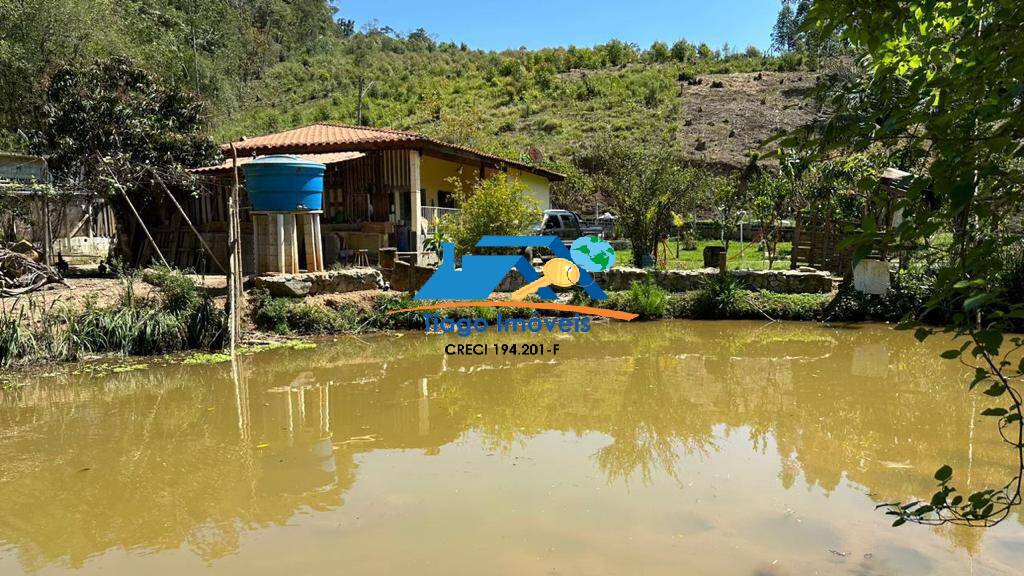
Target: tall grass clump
(180,317)
(204,325)
(10,338)
(646,299)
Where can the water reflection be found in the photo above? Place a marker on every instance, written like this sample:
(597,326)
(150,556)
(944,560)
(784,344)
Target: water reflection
(713,420)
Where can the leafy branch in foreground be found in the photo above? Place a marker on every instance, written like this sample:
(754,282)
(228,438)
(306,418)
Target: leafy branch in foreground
(990,506)
(940,87)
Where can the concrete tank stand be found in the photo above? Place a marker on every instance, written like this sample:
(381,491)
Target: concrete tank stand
(276,241)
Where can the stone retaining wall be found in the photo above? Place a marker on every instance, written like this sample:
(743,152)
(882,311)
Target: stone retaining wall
(782,281)
(330,282)
(409,277)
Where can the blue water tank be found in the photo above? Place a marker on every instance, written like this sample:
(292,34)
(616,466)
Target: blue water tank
(284,183)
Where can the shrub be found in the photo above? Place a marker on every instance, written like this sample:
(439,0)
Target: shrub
(270,314)
(391,301)
(178,291)
(717,296)
(498,205)
(779,306)
(284,316)
(646,185)
(156,332)
(646,299)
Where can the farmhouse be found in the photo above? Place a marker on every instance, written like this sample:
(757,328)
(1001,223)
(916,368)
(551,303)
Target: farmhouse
(382,188)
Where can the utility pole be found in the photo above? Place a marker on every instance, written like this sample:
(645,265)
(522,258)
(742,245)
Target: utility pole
(364,87)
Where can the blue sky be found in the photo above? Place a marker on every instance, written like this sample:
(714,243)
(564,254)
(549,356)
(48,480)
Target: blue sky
(494,25)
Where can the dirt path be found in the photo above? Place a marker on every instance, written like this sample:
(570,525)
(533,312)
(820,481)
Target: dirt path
(102,291)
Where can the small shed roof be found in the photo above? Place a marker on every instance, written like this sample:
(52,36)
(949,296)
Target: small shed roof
(323,158)
(895,178)
(330,137)
(23,167)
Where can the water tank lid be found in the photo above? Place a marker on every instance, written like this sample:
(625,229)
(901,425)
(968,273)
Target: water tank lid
(285,160)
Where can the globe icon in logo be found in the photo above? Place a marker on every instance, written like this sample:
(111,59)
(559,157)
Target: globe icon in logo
(592,253)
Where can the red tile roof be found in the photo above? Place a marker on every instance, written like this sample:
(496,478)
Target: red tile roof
(323,158)
(328,137)
(324,135)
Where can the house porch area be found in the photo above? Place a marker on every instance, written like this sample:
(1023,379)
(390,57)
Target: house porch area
(372,200)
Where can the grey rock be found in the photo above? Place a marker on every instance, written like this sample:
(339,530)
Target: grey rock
(284,287)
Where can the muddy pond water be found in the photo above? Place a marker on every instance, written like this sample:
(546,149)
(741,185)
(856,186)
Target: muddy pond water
(662,448)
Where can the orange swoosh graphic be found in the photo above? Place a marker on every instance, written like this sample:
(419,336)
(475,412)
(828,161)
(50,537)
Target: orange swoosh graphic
(589,311)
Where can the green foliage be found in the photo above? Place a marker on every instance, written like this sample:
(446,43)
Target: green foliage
(784,34)
(771,203)
(183,318)
(113,120)
(644,184)
(747,305)
(389,302)
(806,307)
(684,52)
(795,35)
(498,205)
(113,128)
(287,316)
(727,196)
(658,53)
(10,339)
(205,324)
(178,291)
(646,298)
(212,47)
(937,84)
(717,296)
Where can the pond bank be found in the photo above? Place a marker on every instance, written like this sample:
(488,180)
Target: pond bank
(160,312)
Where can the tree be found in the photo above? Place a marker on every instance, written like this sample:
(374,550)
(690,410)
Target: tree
(618,53)
(705,52)
(496,206)
(420,41)
(771,202)
(645,184)
(785,30)
(727,194)
(109,126)
(942,80)
(684,52)
(659,52)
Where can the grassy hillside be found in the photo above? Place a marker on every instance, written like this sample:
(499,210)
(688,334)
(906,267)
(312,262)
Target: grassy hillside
(509,102)
(262,66)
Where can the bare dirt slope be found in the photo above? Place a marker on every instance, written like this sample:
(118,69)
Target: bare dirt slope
(726,117)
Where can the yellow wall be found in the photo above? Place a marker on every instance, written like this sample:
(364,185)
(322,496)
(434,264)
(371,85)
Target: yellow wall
(537,186)
(435,172)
